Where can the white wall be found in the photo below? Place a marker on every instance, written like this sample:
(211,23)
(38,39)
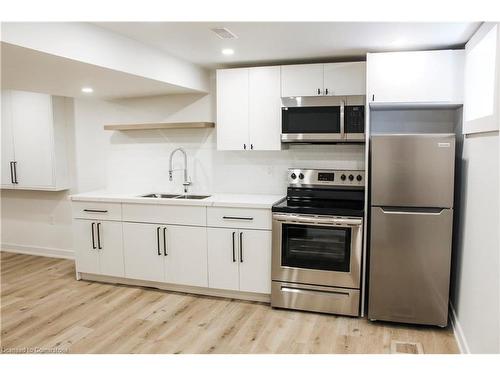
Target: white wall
(138,162)
(476,294)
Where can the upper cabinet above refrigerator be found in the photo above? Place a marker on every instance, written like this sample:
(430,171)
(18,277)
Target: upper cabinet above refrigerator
(482,80)
(333,79)
(433,78)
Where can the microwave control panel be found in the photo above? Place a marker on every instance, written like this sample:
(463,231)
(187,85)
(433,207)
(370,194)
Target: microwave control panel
(354,119)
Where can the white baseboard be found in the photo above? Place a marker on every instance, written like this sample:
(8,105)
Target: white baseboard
(41,251)
(458,332)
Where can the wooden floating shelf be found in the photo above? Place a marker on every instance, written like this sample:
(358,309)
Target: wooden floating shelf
(161,125)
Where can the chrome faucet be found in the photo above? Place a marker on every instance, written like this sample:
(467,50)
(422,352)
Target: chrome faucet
(186,182)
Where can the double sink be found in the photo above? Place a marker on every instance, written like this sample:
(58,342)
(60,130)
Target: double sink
(175,196)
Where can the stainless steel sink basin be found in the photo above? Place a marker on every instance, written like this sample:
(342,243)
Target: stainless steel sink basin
(174,196)
(155,195)
(188,196)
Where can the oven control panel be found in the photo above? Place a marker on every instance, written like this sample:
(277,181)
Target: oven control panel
(326,177)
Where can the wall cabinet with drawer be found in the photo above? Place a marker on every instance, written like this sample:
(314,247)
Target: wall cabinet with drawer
(33,141)
(333,79)
(249,109)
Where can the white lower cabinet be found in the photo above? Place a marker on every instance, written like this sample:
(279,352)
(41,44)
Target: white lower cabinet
(99,247)
(239,259)
(166,253)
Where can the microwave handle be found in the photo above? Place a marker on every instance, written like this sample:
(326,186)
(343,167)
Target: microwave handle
(342,130)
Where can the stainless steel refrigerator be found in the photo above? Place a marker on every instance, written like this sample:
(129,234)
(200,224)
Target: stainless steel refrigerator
(412,180)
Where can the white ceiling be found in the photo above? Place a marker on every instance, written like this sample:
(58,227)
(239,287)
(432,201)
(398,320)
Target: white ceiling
(30,70)
(277,42)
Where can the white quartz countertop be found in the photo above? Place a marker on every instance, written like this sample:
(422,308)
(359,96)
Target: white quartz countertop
(214,200)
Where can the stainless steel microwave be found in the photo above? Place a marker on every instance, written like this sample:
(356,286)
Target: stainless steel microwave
(323,120)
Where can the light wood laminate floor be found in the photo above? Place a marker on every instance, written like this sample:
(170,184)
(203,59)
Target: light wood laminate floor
(43,307)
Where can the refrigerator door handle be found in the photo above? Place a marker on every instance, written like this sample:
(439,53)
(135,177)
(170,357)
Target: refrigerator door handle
(416,211)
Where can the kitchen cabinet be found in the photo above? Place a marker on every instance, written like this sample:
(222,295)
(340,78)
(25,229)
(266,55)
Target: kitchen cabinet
(248,109)
(239,259)
(166,253)
(432,77)
(333,79)
(98,246)
(33,141)
(302,80)
(482,80)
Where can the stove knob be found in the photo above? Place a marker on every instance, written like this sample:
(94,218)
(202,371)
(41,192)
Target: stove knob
(293,176)
(301,176)
(359,177)
(351,177)
(343,177)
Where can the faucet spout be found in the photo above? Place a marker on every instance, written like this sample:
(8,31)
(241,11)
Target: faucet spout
(186,182)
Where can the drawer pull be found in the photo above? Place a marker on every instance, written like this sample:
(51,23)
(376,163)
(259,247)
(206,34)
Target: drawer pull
(97,211)
(313,291)
(236,218)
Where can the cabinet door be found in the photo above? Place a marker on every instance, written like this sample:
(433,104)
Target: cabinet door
(482,80)
(345,78)
(186,260)
(265,108)
(33,139)
(412,77)
(223,258)
(143,252)
(255,261)
(7,141)
(302,80)
(110,245)
(85,245)
(232,109)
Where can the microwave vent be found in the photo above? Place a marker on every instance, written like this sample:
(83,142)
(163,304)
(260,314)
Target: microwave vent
(224,33)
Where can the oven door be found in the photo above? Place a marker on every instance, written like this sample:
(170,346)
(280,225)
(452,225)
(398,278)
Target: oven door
(312,124)
(318,250)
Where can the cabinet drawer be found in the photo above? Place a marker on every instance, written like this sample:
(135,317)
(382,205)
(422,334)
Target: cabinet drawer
(97,210)
(165,214)
(227,217)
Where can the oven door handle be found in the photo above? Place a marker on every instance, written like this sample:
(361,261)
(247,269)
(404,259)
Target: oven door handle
(317,220)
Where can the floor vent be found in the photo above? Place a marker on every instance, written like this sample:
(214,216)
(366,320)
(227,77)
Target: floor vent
(401,347)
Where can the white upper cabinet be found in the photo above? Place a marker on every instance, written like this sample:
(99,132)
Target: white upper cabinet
(416,77)
(232,109)
(482,80)
(342,79)
(248,109)
(33,141)
(302,80)
(334,79)
(265,108)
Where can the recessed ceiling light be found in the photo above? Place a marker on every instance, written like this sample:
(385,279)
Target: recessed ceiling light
(228,51)
(87,90)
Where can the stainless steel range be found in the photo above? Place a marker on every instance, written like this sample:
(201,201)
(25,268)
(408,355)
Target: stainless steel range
(317,242)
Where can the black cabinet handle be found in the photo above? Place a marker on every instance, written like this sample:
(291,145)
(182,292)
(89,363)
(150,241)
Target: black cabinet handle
(241,247)
(237,218)
(12,172)
(158,239)
(98,211)
(244,146)
(326,92)
(99,236)
(319,91)
(93,239)
(234,255)
(165,241)
(373,97)
(251,146)
(15,172)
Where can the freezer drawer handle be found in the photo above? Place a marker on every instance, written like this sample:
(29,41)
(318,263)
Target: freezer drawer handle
(392,211)
(312,291)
